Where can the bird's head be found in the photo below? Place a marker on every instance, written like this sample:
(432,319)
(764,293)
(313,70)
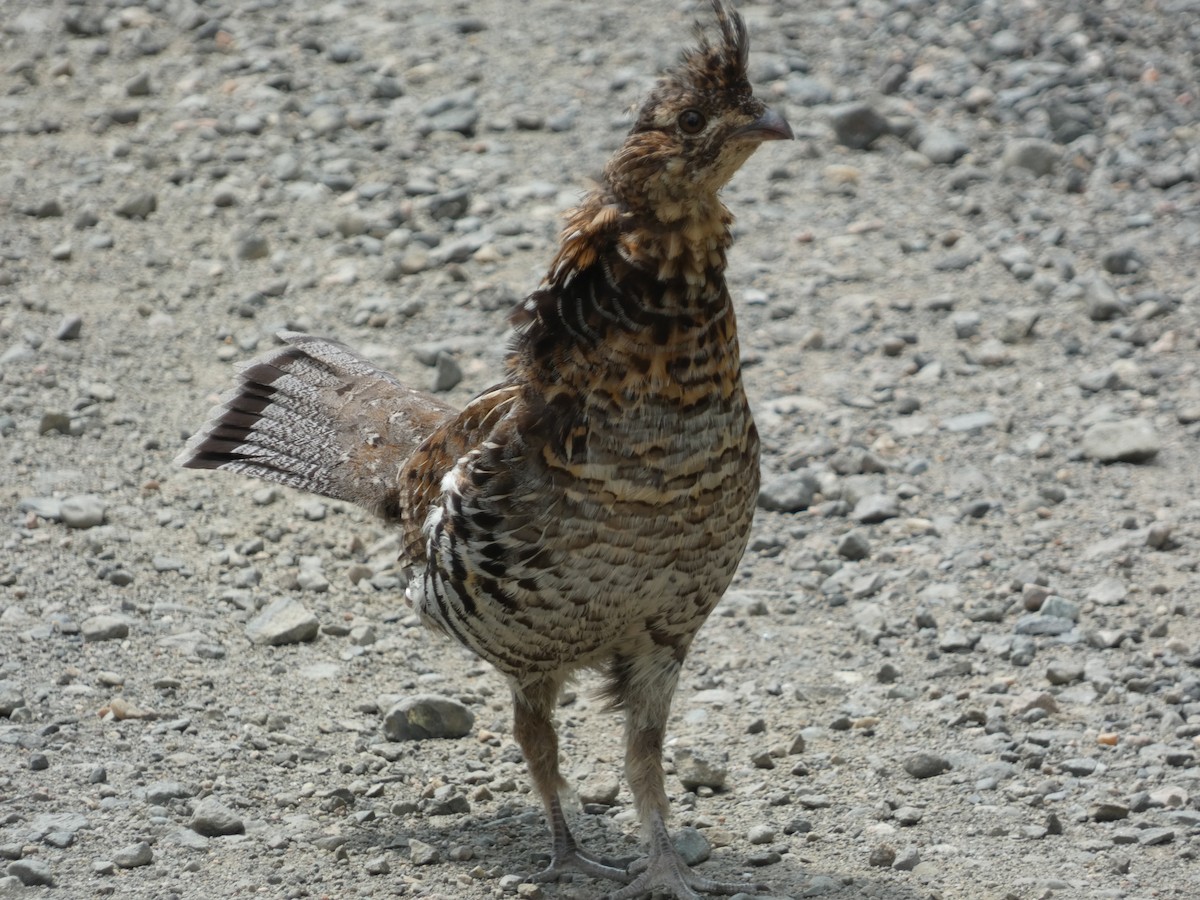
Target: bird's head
(697,127)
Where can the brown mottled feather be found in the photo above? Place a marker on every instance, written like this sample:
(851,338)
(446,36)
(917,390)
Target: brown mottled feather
(589,510)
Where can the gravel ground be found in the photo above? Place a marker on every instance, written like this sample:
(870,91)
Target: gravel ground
(962,656)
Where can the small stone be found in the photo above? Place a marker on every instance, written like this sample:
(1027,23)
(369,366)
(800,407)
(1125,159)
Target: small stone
(31,872)
(602,789)
(760,834)
(377,865)
(138,85)
(134,855)
(286,621)
(139,206)
(82,511)
(54,422)
(69,328)
(1080,766)
(61,252)
(47,209)
(908,816)
(11,698)
(696,769)
(854,546)
(907,860)
(1154,837)
(926,765)
(874,508)
(251,247)
(969,422)
(1108,592)
(447,373)
(1037,156)
(104,628)
(1033,596)
(858,125)
(421,853)
(1064,673)
(427,716)
(1129,440)
(789,492)
(692,845)
(882,856)
(942,146)
(212,818)
(1102,301)
(1060,608)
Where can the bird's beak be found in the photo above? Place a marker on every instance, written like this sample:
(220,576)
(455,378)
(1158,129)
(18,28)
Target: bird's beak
(770,126)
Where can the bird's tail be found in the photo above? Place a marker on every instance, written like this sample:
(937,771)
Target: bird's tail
(315,415)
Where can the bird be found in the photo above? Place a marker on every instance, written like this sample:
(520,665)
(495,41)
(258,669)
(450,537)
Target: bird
(589,510)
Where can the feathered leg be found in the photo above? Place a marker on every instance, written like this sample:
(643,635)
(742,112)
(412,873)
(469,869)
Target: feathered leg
(533,727)
(644,686)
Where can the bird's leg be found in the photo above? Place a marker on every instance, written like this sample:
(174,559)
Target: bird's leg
(645,689)
(533,727)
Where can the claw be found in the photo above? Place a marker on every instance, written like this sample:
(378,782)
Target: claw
(576,860)
(665,872)
(668,874)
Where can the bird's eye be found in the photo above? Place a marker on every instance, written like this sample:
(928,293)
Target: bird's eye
(692,121)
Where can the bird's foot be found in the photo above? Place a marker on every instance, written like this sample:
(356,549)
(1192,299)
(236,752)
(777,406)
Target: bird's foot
(575,860)
(666,873)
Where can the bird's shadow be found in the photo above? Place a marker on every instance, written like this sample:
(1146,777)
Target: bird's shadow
(517,842)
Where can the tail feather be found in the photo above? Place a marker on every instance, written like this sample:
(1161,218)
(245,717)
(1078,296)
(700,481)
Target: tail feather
(316,416)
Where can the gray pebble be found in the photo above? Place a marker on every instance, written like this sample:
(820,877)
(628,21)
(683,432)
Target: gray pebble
(1033,154)
(69,328)
(926,765)
(942,146)
(696,769)
(789,491)
(377,865)
(875,508)
(1101,300)
(1080,766)
(907,859)
(211,818)
(1037,624)
(104,628)
(11,698)
(31,872)
(966,324)
(692,845)
(760,834)
(427,716)
(1108,592)
(285,621)
(1060,607)
(854,546)
(882,856)
(1064,673)
(134,855)
(1129,440)
(82,511)
(139,85)
(857,125)
(421,853)
(969,422)
(447,372)
(138,206)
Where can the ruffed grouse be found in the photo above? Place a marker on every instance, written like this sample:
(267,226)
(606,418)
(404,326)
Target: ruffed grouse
(590,509)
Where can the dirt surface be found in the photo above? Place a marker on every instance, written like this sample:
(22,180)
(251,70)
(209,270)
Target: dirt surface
(962,656)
